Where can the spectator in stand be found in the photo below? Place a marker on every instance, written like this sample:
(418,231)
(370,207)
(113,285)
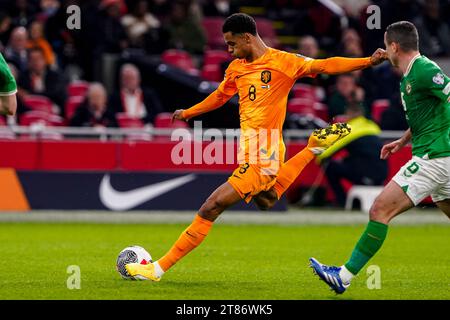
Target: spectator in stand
(48,8)
(37,40)
(16,50)
(362,165)
(185,32)
(41,80)
(133,99)
(351,44)
(21,108)
(112,36)
(23,12)
(434,32)
(139,23)
(5,29)
(346,91)
(161,8)
(94,111)
(308,47)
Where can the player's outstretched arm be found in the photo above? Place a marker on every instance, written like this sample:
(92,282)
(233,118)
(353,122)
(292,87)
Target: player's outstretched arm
(337,65)
(396,145)
(212,102)
(8,105)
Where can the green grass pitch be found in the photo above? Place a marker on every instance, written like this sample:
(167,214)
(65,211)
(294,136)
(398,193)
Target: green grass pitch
(234,262)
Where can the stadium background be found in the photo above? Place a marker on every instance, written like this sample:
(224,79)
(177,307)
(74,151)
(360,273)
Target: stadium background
(54,213)
(180,53)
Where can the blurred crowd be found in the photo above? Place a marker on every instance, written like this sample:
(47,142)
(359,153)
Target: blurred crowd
(46,57)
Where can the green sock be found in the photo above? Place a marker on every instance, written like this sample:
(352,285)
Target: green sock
(369,243)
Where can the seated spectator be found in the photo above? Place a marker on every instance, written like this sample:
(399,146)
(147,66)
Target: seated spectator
(23,12)
(362,165)
(185,32)
(346,91)
(308,47)
(21,108)
(351,45)
(48,8)
(111,36)
(94,111)
(41,80)
(133,99)
(16,50)
(37,40)
(5,29)
(138,23)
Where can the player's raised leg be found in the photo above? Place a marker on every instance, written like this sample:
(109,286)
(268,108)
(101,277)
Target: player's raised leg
(318,142)
(222,198)
(391,202)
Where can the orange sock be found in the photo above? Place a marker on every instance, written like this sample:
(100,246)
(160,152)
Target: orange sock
(188,240)
(290,170)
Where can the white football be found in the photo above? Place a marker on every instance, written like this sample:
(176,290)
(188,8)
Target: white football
(131,254)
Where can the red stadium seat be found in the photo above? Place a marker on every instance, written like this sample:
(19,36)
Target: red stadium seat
(212,72)
(164,120)
(180,59)
(77,88)
(213,30)
(7,135)
(35,117)
(38,103)
(72,103)
(216,57)
(125,121)
(301,90)
(378,107)
(321,111)
(301,106)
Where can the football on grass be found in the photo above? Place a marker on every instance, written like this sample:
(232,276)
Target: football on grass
(131,254)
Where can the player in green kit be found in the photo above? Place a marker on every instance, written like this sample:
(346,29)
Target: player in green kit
(8,90)
(425,93)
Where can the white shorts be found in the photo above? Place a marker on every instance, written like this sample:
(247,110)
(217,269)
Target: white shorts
(420,178)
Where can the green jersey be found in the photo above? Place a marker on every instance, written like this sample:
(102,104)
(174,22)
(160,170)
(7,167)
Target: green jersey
(7,83)
(425,93)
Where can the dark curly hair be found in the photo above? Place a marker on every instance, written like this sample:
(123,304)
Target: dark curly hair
(239,23)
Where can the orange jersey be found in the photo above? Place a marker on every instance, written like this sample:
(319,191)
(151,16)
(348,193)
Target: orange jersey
(263,87)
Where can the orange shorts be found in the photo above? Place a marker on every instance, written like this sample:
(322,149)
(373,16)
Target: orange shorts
(248,181)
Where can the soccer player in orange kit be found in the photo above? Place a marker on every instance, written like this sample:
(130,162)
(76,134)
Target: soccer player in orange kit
(262,77)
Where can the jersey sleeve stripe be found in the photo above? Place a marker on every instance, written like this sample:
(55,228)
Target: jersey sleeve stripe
(3,94)
(447,89)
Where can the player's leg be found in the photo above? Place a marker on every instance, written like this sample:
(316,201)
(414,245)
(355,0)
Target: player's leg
(391,202)
(441,196)
(444,205)
(414,182)
(222,198)
(318,142)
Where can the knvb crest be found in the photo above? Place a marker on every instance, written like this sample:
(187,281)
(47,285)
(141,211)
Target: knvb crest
(266,76)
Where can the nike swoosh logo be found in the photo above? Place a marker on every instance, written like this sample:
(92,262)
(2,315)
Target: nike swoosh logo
(126,200)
